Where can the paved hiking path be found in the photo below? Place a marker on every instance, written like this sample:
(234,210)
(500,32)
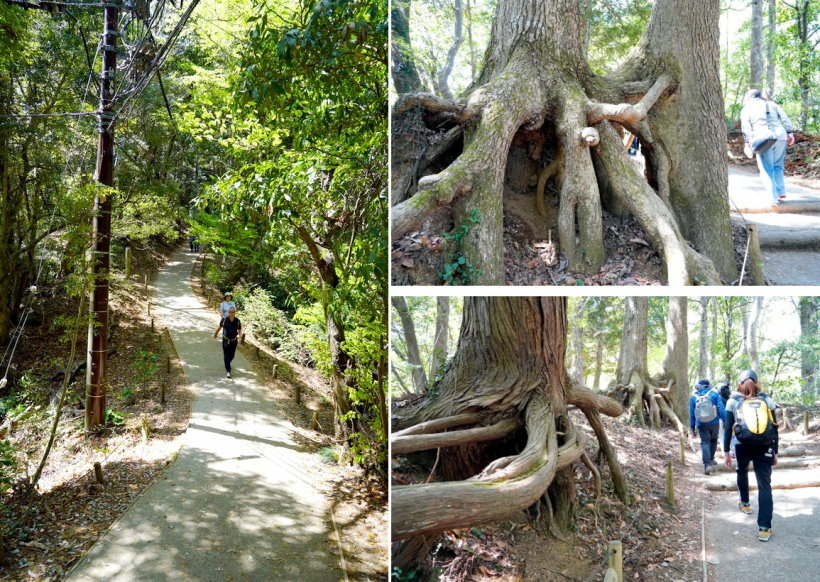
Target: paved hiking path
(240,502)
(793,552)
(789,232)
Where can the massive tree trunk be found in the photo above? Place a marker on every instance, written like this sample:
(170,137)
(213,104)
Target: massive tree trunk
(809,359)
(506,393)
(413,355)
(537,95)
(676,362)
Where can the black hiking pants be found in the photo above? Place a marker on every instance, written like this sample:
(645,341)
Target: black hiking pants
(708,442)
(228,352)
(763,473)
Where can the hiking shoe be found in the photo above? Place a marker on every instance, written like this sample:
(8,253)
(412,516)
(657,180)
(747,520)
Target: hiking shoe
(228,375)
(744,507)
(764,533)
(707,469)
(781,197)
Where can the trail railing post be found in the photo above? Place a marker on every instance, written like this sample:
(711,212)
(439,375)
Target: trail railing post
(682,443)
(101,227)
(670,484)
(127,262)
(616,560)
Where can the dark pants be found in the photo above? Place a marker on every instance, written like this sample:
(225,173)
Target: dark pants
(763,473)
(708,442)
(228,352)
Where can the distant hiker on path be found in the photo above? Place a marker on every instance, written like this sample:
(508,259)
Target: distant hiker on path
(705,412)
(230,326)
(227,305)
(751,427)
(761,119)
(193,244)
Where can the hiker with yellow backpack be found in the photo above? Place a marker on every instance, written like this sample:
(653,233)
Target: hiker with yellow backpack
(751,434)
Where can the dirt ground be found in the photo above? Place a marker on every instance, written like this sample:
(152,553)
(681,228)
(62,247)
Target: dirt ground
(44,535)
(531,255)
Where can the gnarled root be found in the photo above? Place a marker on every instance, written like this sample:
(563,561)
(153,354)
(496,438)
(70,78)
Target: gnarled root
(684,266)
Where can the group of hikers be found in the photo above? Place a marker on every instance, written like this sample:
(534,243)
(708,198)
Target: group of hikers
(749,435)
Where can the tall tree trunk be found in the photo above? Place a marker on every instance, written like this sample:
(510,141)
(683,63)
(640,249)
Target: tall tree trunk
(444,73)
(676,362)
(703,367)
(470,44)
(809,359)
(744,333)
(714,339)
(806,51)
(403,68)
(687,32)
(756,47)
(537,88)
(508,372)
(599,360)
(577,371)
(771,33)
(413,354)
(442,336)
(755,315)
(632,366)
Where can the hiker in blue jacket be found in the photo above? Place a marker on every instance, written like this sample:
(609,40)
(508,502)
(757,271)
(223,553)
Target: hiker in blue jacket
(705,412)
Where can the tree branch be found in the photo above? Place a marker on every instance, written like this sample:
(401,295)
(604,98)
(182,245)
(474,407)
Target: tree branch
(626,113)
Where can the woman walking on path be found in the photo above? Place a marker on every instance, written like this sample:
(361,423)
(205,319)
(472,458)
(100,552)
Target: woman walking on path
(751,429)
(230,326)
(227,305)
(762,118)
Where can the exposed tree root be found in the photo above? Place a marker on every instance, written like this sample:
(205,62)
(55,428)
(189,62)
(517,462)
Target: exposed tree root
(401,445)
(439,424)
(436,507)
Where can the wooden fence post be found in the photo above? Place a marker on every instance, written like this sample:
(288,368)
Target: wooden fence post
(805,422)
(616,558)
(98,474)
(670,484)
(297,392)
(127,262)
(682,450)
(755,256)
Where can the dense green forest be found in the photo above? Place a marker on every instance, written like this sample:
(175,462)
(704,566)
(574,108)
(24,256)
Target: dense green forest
(263,133)
(503,459)
(775,335)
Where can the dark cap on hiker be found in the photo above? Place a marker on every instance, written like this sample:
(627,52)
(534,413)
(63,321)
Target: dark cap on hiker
(702,383)
(747,375)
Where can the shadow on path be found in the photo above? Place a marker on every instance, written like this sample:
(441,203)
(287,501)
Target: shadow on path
(241,502)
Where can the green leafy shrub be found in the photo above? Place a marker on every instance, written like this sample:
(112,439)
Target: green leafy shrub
(271,326)
(8,465)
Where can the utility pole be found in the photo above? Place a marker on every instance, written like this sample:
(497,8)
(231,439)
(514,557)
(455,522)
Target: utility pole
(98,327)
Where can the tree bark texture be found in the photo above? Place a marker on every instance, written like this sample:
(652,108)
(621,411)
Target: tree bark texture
(536,88)
(403,67)
(508,373)
(676,361)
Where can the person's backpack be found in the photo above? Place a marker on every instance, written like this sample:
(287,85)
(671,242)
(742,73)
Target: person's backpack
(705,410)
(754,422)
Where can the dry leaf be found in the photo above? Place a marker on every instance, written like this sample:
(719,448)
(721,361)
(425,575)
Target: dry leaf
(408,262)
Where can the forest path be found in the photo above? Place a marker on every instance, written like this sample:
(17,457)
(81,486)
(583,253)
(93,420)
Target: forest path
(242,501)
(793,552)
(789,232)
